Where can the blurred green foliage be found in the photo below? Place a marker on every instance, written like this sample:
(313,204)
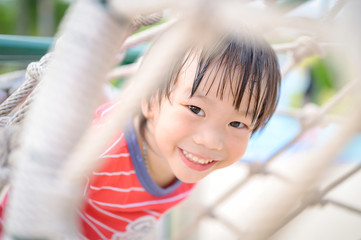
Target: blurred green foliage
(7,16)
(20,16)
(323,77)
(60,9)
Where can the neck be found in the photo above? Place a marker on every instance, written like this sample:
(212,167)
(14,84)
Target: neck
(157,166)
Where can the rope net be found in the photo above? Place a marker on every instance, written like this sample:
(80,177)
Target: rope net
(55,148)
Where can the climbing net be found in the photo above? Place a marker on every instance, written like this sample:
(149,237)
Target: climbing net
(55,147)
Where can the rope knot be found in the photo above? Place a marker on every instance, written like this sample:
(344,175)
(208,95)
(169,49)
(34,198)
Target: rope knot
(305,47)
(309,112)
(140,20)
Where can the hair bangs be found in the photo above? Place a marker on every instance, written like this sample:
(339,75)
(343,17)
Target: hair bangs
(246,66)
(243,67)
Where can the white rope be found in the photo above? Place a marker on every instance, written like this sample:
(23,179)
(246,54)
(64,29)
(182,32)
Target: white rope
(73,79)
(88,150)
(8,81)
(266,217)
(145,36)
(161,56)
(303,47)
(20,93)
(123,71)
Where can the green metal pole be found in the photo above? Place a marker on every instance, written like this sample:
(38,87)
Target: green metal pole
(23,48)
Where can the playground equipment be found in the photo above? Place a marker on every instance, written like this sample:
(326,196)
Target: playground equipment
(56,149)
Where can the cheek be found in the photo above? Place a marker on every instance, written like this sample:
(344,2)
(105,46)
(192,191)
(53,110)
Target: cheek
(236,149)
(175,120)
(171,126)
(240,146)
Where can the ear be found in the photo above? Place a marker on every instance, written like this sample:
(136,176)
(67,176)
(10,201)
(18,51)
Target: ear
(148,108)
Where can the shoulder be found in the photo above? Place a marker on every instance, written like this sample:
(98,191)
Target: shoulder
(104,109)
(117,141)
(101,112)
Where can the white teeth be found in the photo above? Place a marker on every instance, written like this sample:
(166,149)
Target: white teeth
(196,159)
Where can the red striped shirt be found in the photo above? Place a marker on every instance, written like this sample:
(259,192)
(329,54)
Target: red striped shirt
(117,205)
(120,202)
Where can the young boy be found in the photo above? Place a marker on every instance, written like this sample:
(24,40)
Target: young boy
(200,121)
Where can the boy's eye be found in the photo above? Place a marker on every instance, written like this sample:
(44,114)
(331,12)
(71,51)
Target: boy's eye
(196,110)
(236,124)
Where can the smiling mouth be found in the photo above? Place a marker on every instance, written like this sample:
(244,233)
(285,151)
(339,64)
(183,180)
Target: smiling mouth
(195,159)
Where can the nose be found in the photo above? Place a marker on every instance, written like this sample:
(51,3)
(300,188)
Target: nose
(210,138)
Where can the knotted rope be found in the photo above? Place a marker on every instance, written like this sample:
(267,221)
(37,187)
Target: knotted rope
(308,49)
(146,20)
(304,46)
(33,75)
(39,161)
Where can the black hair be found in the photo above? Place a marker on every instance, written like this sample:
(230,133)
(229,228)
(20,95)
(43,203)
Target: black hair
(246,63)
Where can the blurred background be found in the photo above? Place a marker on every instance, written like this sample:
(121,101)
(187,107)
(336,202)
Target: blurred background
(27,30)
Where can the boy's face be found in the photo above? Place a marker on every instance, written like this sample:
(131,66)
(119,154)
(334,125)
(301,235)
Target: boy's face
(192,137)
